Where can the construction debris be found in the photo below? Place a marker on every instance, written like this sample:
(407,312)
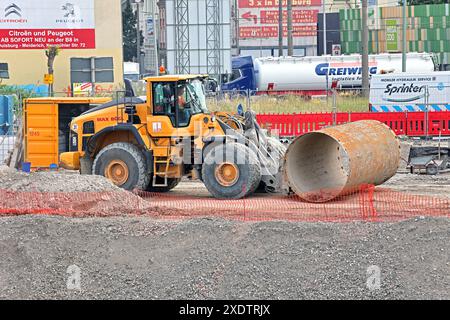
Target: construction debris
(16,155)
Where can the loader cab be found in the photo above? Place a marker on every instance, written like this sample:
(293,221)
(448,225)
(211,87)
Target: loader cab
(177,100)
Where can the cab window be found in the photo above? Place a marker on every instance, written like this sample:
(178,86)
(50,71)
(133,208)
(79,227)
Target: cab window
(163,99)
(172,101)
(179,101)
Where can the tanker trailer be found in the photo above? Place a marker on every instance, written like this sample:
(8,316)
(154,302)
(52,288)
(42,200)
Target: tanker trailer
(322,165)
(312,76)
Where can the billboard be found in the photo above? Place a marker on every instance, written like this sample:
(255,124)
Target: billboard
(31,24)
(259,18)
(391,35)
(274,3)
(410,91)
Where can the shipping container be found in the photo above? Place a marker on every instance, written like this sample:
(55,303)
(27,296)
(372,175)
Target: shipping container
(46,126)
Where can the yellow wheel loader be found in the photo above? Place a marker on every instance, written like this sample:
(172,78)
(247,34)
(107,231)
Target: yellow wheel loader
(152,142)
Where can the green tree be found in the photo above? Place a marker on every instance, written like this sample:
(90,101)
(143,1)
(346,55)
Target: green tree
(129,21)
(51,53)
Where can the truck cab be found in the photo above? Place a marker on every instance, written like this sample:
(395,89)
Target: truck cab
(243,75)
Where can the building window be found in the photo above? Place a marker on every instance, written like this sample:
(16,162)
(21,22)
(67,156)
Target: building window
(95,70)
(4,73)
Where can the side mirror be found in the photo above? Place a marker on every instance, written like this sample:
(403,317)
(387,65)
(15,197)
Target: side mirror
(240,110)
(129,91)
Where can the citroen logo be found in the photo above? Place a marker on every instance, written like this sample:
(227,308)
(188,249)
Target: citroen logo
(13,9)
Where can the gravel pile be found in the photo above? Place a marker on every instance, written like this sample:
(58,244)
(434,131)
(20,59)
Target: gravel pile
(76,195)
(61,181)
(210,258)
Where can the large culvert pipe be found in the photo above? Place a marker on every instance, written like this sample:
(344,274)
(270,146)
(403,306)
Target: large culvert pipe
(321,165)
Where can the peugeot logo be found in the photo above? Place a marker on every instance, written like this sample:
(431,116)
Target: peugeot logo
(69,8)
(13,9)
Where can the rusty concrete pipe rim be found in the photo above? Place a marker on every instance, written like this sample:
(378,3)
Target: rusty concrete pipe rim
(312,196)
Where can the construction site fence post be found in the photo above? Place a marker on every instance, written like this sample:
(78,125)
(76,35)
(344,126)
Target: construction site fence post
(335,109)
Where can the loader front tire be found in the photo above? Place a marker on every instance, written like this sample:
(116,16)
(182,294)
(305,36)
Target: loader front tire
(231,171)
(124,164)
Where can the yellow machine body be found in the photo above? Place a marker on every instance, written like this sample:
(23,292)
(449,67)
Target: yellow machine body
(153,131)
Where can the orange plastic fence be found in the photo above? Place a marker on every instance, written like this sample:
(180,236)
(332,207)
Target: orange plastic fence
(368,204)
(402,123)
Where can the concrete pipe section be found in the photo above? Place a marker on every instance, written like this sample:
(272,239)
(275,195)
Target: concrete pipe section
(321,165)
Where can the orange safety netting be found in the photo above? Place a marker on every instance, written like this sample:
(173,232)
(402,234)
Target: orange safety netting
(368,204)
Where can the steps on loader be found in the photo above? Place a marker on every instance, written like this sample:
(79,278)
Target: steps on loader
(161,158)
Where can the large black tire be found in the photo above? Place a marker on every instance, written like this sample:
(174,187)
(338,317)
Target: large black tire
(432,169)
(171,183)
(249,172)
(131,156)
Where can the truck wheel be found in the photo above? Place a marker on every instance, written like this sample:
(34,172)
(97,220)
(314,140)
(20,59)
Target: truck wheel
(124,164)
(432,169)
(231,171)
(171,183)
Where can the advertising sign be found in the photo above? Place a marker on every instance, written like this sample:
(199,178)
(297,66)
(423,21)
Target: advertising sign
(31,24)
(410,90)
(391,35)
(272,32)
(274,3)
(83,89)
(259,18)
(150,28)
(336,50)
(298,16)
(48,78)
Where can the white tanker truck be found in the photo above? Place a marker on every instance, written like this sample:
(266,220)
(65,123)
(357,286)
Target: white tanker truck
(312,76)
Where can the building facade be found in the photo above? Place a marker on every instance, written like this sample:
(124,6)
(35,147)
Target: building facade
(149,26)
(87,32)
(256,27)
(195,36)
(428,30)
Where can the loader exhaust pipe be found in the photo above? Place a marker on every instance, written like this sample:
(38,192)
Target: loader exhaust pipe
(322,165)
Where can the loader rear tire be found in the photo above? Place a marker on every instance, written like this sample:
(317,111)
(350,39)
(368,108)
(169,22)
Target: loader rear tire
(171,183)
(124,164)
(226,177)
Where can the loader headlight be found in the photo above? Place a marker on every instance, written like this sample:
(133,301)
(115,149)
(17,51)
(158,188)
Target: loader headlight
(73,144)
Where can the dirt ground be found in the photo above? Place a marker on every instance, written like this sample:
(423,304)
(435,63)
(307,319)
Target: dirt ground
(144,258)
(141,258)
(438,185)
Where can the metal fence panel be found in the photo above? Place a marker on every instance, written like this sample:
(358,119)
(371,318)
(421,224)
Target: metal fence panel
(11,126)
